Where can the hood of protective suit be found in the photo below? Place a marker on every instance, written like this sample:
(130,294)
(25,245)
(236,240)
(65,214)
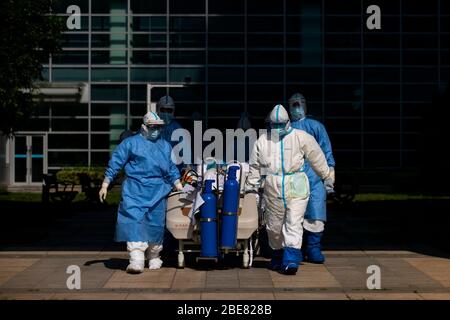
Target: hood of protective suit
(299,98)
(166,102)
(151,118)
(279,114)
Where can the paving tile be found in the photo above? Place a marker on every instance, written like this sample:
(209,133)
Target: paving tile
(187,279)
(384,296)
(436,268)
(435,295)
(89,296)
(398,273)
(161,278)
(16,263)
(237,296)
(26,296)
(310,296)
(308,276)
(164,296)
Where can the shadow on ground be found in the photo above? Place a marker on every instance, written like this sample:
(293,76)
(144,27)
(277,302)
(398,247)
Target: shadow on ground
(415,225)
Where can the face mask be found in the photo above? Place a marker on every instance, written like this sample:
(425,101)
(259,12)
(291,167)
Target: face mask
(297,113)
(153,134)
(167,117)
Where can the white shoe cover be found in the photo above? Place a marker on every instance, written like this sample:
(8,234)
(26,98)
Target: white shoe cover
(155,263)
(136,267)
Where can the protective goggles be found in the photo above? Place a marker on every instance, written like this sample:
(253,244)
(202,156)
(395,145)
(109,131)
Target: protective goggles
(277,125)
(153,126)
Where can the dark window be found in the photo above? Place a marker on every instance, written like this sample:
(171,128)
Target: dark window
(149,41)
(148,57)
(153,24)
(187,57)
(226,7)
(109,6)
(187,24)
(226,24)
(148,74)
(145,6)
(67,141)
(183,6)
(109,92)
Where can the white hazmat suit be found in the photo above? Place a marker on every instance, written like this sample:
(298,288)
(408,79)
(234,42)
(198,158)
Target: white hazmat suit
(278,156)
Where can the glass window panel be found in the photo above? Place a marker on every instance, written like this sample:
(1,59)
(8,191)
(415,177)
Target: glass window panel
(421,57)
(145,6)
(139,109)
(380,41)
(376,109)
(226,57)
(226,40)
(343,23)
(346,141)
(264,7)
(69,109)
(181,74)
(312,92)
(71,57)
(341,110)
(380,57)
(233,93)
(183,6)
(69,74)
(336,92)
(61,6)
(187,57)
(343,57)
(74,40)
(382,74)
(226,7)
(67,141)
(99,158)
(389,125)
(69,124)
(108,109)
(109,125)
(265,24)
(265,57)
(149,41)
(342,7)
(148,57)
(420,92)
(226,24)
(187,24)
(268,93)
(110,74)
(148,74)
(304,74)
(109,6)
(339,41)
(109,57)
(109,92)
(116,40)
(265,74)
(67,159)
(109,23)
(226,74)
(189,93)
(419,24)
(342,74)
(343,125)
(305,57)
(152,24)
(266,40)
(381,141)
(180,40)
(383,92)
(309,23)
(412,7)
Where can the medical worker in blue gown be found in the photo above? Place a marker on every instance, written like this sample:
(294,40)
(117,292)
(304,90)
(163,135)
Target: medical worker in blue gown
(166,110)
(150,176)
(316,212)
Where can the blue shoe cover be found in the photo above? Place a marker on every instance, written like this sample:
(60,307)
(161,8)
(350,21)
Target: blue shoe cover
(312,250)
(277,259)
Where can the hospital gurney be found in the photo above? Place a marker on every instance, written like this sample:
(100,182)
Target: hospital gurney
(186,229)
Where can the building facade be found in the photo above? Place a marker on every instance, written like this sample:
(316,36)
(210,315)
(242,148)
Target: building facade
(369,87)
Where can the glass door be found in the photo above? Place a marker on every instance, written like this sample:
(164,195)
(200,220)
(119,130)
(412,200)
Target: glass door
(29,159)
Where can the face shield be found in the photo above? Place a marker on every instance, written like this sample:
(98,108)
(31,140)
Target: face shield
(297,107)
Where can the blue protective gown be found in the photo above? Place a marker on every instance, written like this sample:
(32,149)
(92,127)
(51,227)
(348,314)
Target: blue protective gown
(317,209)
(167,131)
(150,175)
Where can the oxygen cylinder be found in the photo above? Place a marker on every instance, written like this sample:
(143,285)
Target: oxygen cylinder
(228,238)
(208,222)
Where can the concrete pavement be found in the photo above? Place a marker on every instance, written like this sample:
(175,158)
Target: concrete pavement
(405,275)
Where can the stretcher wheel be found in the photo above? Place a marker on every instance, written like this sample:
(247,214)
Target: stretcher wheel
(180,260)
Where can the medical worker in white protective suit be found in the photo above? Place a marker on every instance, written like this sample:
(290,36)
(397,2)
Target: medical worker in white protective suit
(279,156)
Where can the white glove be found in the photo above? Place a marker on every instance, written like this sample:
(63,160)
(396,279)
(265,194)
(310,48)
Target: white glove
(329,184)
(178,185)
(332,175)
(103,191)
